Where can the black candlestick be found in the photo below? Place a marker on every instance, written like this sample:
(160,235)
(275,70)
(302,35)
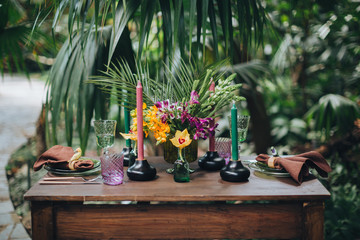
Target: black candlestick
(126,151)
(211,161)
(141,170)
(129,156)
(235,172)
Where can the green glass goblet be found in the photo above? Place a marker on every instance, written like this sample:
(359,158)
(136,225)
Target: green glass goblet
(105,134)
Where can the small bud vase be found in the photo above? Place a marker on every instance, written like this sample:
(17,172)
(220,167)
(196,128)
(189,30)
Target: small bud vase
(181,169)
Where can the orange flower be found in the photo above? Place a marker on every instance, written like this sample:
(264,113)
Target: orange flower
(154,125)
(133,126)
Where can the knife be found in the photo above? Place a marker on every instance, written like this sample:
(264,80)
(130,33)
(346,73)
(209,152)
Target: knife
(59,178)
(65,183)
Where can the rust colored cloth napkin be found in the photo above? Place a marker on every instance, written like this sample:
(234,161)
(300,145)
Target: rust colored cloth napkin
(298,166)
(58,157)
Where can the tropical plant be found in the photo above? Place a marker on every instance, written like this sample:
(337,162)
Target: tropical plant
(318,55)
(174,29)
(288,127)
(195,31)
(342,210)
(319,48)
(334,114)
(19,41)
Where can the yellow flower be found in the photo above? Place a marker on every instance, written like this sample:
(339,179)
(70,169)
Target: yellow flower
(181,139)
(131,136)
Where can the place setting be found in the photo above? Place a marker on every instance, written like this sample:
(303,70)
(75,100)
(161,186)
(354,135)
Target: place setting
(66,166)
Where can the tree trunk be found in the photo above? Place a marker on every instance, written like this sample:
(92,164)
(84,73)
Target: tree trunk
(259,120)
(40,133)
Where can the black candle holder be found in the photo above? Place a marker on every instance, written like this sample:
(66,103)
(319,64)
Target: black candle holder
(126,152)
(235,172)
(141,170)
(129,156)
(211,161)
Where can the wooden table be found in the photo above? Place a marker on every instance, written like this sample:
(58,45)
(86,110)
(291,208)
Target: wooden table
(206,208)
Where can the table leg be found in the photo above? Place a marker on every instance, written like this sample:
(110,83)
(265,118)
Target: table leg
(42,220)
(313,220)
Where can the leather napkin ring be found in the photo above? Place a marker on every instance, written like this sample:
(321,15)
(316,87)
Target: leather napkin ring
(271,162)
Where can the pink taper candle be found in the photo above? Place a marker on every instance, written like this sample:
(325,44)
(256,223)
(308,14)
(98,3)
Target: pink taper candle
(212,122)
(139,114)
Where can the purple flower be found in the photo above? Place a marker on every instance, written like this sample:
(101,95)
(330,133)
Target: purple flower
(194,96)
(178,114)
(158,105)
(202,127)
(164,118)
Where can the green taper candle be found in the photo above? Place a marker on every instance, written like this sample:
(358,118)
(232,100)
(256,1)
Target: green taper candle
(127,123)
(234,134)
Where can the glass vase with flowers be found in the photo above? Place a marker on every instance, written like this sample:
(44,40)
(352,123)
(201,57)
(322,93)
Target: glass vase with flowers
(181,166)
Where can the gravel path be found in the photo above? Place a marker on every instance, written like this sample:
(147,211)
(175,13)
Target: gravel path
(20,106)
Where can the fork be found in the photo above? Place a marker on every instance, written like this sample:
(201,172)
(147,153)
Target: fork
(70,178)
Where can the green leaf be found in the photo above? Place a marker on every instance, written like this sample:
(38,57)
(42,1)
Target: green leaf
(204,14)
(12,42)
(182,33)
(58,14)
(333,113)
(212,18)
(192,9)
(121,19)
(167,27)
(178,7)
(96,15)
(224,19)
(147,12)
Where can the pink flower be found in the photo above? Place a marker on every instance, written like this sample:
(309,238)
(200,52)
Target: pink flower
(194,96)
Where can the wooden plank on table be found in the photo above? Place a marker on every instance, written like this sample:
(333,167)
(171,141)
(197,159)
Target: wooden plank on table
(280,221)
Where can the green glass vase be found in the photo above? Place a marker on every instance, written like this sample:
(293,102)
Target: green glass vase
(181,169)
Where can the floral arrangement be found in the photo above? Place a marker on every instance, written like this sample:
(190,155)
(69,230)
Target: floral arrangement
(165,117)
(180,116)
(183,101)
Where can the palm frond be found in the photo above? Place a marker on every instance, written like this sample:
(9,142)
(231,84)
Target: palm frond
(67,92)
(333,113)
(147,13)
(13,42)
(251,71)
(120,81)
(122,15)
(179,81)
(211,21)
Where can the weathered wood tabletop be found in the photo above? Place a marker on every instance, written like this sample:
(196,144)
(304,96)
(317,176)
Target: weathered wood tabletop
(204,186)
(291,210)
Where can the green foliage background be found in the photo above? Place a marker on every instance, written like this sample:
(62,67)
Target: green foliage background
(298,61)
